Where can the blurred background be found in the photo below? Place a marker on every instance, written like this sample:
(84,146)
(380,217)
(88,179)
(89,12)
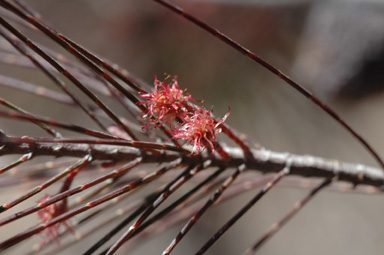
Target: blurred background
(333,48)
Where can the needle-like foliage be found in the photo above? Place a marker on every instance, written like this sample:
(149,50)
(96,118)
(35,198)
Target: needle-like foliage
(124,178)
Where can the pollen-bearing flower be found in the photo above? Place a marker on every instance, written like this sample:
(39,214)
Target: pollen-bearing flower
(200,130)
(166,103)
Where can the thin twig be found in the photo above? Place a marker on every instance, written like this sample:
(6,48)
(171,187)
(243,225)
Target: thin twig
(159,200)
(243,210)
(278,225)
(198,215)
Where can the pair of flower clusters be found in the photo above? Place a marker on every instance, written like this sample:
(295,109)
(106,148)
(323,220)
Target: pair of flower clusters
(168,104)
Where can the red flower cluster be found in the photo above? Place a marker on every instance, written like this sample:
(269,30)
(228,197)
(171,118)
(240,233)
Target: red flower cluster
(200,130)
(168,105)
(165,103)
(48,213)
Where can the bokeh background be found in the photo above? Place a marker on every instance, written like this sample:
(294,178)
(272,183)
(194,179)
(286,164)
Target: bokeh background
(333,48)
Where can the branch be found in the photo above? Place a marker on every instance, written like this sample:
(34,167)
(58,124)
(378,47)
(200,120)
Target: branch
(262,160)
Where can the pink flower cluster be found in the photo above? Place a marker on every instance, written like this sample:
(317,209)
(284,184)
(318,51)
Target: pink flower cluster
(167,104)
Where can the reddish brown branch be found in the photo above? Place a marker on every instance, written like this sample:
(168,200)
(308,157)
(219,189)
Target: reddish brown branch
(263,160)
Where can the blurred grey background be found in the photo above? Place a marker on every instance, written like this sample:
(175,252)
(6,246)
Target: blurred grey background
(333,48)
